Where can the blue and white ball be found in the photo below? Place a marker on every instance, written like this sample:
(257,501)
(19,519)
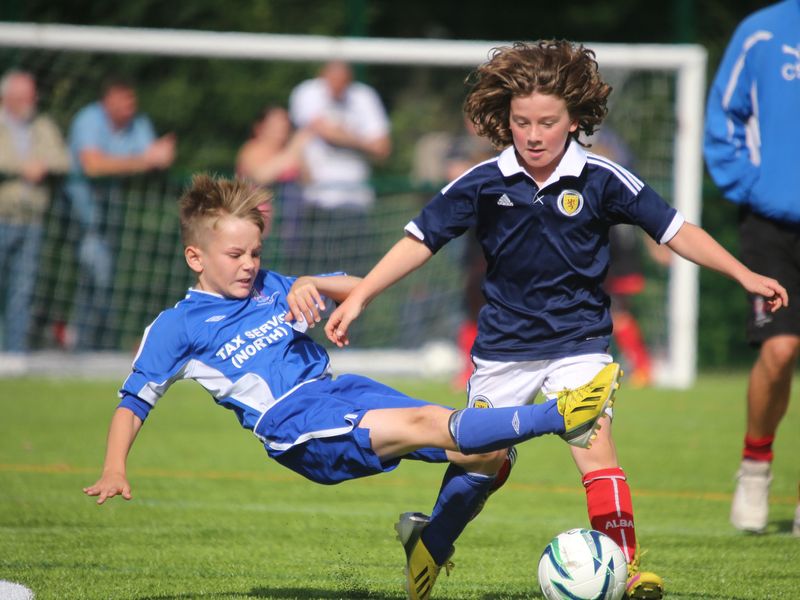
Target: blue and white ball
(582,564)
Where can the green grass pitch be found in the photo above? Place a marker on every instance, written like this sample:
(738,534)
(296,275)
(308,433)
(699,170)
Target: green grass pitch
(213,517)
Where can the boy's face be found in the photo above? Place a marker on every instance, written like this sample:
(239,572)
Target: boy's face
(227,257)
(540,125)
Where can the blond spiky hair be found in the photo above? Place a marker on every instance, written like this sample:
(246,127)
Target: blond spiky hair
(210,198)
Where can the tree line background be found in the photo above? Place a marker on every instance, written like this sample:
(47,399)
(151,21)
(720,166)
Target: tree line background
(179,95)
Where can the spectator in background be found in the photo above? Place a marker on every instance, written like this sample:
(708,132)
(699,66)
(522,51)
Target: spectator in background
(350,128)
(31,149)
(273,158)
(107,139)
(752,129)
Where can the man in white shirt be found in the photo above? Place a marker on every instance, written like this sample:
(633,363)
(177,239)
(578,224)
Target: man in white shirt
(351,129)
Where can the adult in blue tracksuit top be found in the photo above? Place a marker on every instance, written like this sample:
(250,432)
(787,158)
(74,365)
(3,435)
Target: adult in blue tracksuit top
(751,137)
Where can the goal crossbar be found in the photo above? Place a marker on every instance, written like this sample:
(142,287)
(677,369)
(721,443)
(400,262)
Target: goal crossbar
(261,46)
(687,61)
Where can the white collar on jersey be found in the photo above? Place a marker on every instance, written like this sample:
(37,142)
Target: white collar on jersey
(199,291)
(570,165)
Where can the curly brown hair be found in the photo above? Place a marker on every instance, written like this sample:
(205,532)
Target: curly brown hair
(554,67)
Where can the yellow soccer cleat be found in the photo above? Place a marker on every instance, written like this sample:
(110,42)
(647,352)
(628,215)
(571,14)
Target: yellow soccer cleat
(421,570)
(583,407)
(642,585)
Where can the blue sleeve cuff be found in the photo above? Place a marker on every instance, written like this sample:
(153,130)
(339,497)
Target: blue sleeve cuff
(136,405)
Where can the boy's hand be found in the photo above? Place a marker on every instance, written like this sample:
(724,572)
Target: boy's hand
(772,291)
(305,302)
(108,486)
(340,319)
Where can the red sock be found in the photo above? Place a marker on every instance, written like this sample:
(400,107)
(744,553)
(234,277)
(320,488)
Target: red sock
(759,449)
(608,498)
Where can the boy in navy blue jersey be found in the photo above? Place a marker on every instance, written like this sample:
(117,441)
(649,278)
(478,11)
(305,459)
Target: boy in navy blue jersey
(541,211)
(240,334)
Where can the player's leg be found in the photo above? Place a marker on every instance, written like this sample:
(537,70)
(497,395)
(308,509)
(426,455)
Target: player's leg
(610,507)
(418,532)
(573,414)
(767,401)
(429,541)
(400,431)
(770,384)
(396,432)
(608,495)
(506,385)
(773,250)
(598,465)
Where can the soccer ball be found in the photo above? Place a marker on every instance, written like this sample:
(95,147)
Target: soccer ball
(582,564)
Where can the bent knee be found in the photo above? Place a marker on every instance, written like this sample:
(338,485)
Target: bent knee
(430,417)
(486,463)
(780,352)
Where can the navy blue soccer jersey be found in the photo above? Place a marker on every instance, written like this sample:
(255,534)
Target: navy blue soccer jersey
(547,249)
(242,351)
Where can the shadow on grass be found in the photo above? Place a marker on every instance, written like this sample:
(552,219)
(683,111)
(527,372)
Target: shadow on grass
(279,593)
(709,596)
(318,594)
(784,526)
(526,596)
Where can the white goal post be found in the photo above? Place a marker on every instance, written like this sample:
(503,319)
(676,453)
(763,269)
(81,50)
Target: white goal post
(688,62)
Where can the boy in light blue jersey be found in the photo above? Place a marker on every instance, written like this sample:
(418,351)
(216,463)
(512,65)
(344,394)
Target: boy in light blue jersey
(542,211)
(240,333)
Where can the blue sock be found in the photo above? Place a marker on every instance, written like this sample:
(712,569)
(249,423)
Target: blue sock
(482,430)
(459,497)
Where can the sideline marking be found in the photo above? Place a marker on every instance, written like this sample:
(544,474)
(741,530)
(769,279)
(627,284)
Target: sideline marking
(64,468)
(14,591)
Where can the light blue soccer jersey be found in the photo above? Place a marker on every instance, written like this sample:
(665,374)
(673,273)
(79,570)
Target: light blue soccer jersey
(242,351)
(752,124)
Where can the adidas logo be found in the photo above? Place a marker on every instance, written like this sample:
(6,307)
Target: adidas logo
(505,201)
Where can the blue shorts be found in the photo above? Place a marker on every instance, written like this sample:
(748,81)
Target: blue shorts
(314,431)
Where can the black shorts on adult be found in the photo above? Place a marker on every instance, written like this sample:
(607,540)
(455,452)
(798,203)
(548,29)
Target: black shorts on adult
(771,248)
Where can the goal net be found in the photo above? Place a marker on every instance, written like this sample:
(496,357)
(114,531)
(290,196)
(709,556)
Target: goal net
(208,88)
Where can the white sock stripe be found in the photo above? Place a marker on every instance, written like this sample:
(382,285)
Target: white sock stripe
(587,482)
(625,547)
(616,496)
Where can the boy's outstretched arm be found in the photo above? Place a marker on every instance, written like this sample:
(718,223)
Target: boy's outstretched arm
(695,244)
(124,427)
(305,296)
(404,257)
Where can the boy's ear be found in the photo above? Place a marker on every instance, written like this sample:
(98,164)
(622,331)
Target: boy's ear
(194,258)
